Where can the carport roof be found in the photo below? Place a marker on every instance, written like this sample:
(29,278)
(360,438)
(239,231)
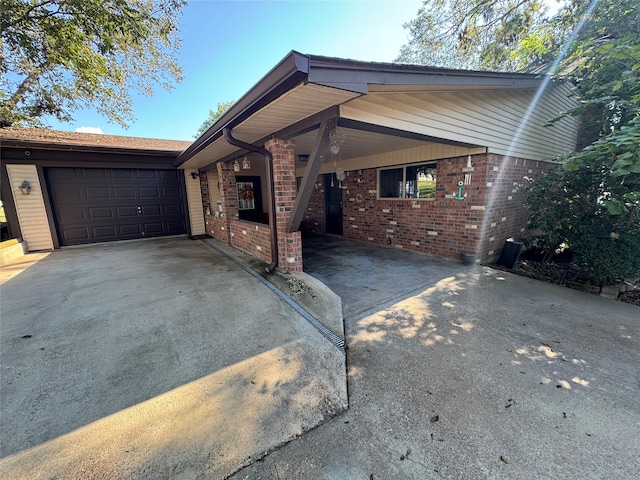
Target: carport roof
(59,140)
(301,90)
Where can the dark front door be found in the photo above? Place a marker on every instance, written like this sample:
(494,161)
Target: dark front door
(105,204)
(333,196)
(249,199)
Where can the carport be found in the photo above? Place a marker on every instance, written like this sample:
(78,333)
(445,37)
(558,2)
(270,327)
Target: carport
(366,276)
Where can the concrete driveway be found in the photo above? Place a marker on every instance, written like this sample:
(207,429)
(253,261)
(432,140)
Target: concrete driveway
(152,359)
(477,374)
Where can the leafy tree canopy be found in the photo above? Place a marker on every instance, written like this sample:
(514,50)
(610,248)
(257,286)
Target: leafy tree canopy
(593,202)
(471,34)
(61,55)
(214,115)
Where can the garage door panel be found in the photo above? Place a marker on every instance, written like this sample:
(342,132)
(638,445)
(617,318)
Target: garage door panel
(129,230)
(101,212)
(76,235)
(124,193)
(94,173)
(73,214)
(146,192)
(120,173)
(147,174)
(62,174)
(169,174)
(102,204)
(151,210)
(97,193)
(128,211)
(174,210)
(105,233)
(171,193)
(174,228)
(154,228)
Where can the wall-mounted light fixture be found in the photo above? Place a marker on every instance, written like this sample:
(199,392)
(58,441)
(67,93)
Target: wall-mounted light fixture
(25,187)
(303,158)
(236,166)
(246,164)
(194,175)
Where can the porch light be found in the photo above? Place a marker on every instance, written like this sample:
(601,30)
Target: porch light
(236,166)
(25,187)
(246,164)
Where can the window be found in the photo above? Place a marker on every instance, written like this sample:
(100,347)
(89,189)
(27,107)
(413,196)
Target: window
(412,181)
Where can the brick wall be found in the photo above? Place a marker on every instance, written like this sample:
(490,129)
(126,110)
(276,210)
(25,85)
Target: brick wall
(315,217)
(217,227)
(444,226)
(252,238)
(505,196)
(284,179)
(204,191)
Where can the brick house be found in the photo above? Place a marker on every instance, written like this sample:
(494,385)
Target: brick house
(413,157)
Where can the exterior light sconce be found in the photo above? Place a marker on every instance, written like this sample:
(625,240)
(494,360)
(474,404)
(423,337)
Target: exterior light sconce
(194,175)
(246,164)
(236,166)
(25,187)
(303,158)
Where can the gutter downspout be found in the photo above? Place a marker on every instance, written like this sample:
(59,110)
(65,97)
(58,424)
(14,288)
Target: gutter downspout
(272,194)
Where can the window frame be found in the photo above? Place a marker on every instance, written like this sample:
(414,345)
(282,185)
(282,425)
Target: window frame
(426,163)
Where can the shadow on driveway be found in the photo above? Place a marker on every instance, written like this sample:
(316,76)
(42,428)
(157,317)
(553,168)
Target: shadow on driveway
(153,359)
(480,374)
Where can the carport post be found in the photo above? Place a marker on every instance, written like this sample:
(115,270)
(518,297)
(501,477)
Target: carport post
(284,180)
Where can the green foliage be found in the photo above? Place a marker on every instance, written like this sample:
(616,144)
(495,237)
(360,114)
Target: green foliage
(592,205)
(61,55)
(473,34)
(214,115)
(593,202)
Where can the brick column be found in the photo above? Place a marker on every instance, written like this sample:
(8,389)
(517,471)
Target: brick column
(284,179)
(229,197)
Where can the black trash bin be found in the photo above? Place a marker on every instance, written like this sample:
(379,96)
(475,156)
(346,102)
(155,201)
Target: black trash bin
(510,254)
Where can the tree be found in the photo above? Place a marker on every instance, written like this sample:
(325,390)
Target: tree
(213,116)
(472,34)
(592,203)
(61,55)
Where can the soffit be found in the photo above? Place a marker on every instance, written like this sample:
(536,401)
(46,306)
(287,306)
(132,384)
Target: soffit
(297,104)
(358,143)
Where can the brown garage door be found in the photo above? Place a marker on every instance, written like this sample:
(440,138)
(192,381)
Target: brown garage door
(105,204)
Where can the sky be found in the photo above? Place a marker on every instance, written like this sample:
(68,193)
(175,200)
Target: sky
(228,46)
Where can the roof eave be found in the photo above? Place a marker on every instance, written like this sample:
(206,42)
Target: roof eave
(292,70)
(358,76)
(72,147)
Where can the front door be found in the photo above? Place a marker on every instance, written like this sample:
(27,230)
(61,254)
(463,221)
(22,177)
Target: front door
(249,199)
(333,196)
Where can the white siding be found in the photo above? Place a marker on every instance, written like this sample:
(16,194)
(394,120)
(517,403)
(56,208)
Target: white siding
(30,208)
(507,122)
(194,200)
(428,151)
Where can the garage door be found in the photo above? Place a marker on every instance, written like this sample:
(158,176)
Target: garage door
(105,204)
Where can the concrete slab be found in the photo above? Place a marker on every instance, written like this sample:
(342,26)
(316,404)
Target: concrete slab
(153,359)
(481,374)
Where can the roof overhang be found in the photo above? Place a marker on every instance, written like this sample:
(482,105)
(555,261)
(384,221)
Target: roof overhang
(71,147)
(301,90)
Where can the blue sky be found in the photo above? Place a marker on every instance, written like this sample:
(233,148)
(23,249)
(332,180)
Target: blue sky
(228,46)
